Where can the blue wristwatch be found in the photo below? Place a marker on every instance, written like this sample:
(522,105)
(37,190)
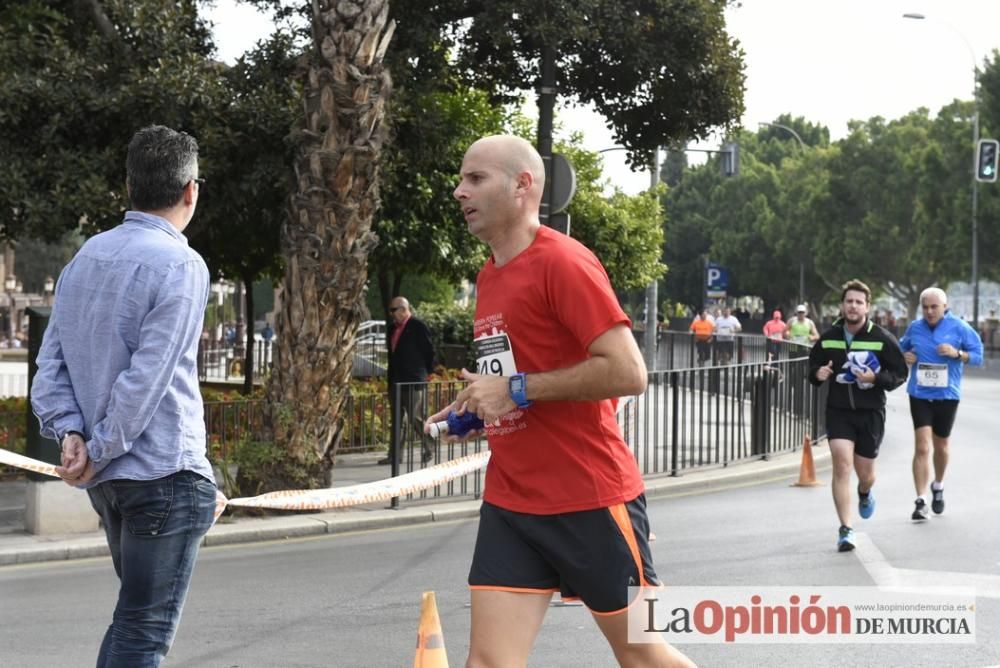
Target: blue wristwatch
(518,390)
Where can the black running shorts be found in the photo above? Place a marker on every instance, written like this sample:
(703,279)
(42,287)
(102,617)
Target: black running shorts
(864,427)
(938,414)
(592,555)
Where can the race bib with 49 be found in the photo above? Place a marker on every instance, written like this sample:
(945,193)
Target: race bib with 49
(494,356)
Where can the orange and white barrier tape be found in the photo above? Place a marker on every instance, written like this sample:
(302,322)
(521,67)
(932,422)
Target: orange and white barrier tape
(316,499)
(368,492)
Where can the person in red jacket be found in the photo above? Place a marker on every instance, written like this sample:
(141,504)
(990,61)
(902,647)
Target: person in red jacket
(774,330)
(563,507)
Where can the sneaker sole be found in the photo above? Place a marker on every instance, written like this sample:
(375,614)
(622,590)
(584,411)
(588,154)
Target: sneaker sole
(919,518)
(845,547)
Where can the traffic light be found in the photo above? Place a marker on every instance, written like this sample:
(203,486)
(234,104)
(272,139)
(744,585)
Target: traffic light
(987,153)
(730,162)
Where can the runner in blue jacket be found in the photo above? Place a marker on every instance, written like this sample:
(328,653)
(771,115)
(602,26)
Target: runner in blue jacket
(936,347)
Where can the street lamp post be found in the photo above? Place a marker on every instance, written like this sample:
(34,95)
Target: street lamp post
(49,288)
(975,184)
(802,266)
(9,285)
(652,328)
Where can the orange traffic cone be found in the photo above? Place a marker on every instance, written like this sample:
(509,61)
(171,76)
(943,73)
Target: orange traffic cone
(807,470)
(430,640)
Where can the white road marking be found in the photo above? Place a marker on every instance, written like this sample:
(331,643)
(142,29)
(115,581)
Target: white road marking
(885,574)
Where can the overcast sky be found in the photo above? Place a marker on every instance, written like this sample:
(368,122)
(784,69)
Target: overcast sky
(828,61)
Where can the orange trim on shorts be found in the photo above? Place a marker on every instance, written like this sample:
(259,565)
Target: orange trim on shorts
(620,514)
(514,590)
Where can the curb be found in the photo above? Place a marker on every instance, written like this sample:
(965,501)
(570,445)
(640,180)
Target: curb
(34,549)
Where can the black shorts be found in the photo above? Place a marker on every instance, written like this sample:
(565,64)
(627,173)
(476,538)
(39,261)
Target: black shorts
(938,414)
(592,555)
(864,427)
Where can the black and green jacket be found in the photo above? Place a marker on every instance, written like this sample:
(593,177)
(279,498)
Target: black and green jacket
(832,347)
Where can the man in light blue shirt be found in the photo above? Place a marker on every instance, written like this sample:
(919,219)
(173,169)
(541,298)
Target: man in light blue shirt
(936,347)
(117,387)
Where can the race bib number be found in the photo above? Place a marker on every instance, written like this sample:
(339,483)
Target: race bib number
(932,375)
(494,356)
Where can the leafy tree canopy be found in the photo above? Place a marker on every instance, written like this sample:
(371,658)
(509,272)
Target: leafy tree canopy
(659,71)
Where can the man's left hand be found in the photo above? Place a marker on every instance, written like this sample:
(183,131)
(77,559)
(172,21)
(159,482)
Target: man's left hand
(865,376)
(76,468)
(947,350)
(486,396)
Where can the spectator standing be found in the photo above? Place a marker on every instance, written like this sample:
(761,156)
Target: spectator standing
(117,388)
(411,360)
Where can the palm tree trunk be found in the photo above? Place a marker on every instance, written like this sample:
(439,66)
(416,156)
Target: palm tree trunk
(328,235)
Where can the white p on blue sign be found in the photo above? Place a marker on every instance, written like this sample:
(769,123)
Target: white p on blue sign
(716,280)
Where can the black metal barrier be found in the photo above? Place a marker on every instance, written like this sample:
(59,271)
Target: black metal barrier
(37,447)
(680,350)
(685,420)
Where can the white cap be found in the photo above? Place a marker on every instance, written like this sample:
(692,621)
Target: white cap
(801,308)
(438,429)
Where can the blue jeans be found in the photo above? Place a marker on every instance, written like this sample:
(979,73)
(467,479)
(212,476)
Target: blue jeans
(154,528)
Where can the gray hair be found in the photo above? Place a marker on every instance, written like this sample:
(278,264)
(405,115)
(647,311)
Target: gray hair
(160,164)
(937,292)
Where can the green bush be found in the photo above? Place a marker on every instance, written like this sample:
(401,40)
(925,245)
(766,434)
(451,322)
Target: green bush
(13,424)
(450,325)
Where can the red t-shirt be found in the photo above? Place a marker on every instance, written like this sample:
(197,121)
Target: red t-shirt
(540,312)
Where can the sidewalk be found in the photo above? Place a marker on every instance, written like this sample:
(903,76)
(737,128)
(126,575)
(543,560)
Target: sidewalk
(19,547)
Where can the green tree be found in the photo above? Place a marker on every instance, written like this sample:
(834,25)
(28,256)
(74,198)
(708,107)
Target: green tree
(988,218)
(624,231)
(659,71)
(418,226)
(243,138)
(79,79)
(894,187)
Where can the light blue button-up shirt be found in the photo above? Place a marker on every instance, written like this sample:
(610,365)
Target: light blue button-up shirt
(118,362)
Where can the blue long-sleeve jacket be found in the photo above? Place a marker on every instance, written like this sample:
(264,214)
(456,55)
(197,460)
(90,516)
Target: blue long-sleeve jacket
(921,339)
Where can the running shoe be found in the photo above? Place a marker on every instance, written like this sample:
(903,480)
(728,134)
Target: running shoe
(845,542)
(937,500)
(920,512)
(866,504)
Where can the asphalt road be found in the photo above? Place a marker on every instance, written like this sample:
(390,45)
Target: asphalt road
(353,600)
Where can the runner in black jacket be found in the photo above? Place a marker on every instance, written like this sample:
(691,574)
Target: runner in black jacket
(855,406)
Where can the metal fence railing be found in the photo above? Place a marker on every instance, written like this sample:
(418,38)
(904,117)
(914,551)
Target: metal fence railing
(223,361)
(687,419)
(681,350)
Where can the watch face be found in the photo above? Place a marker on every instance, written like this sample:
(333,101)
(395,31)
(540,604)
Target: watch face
(517,383)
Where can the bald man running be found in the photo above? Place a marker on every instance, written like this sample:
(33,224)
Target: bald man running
(563,508)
